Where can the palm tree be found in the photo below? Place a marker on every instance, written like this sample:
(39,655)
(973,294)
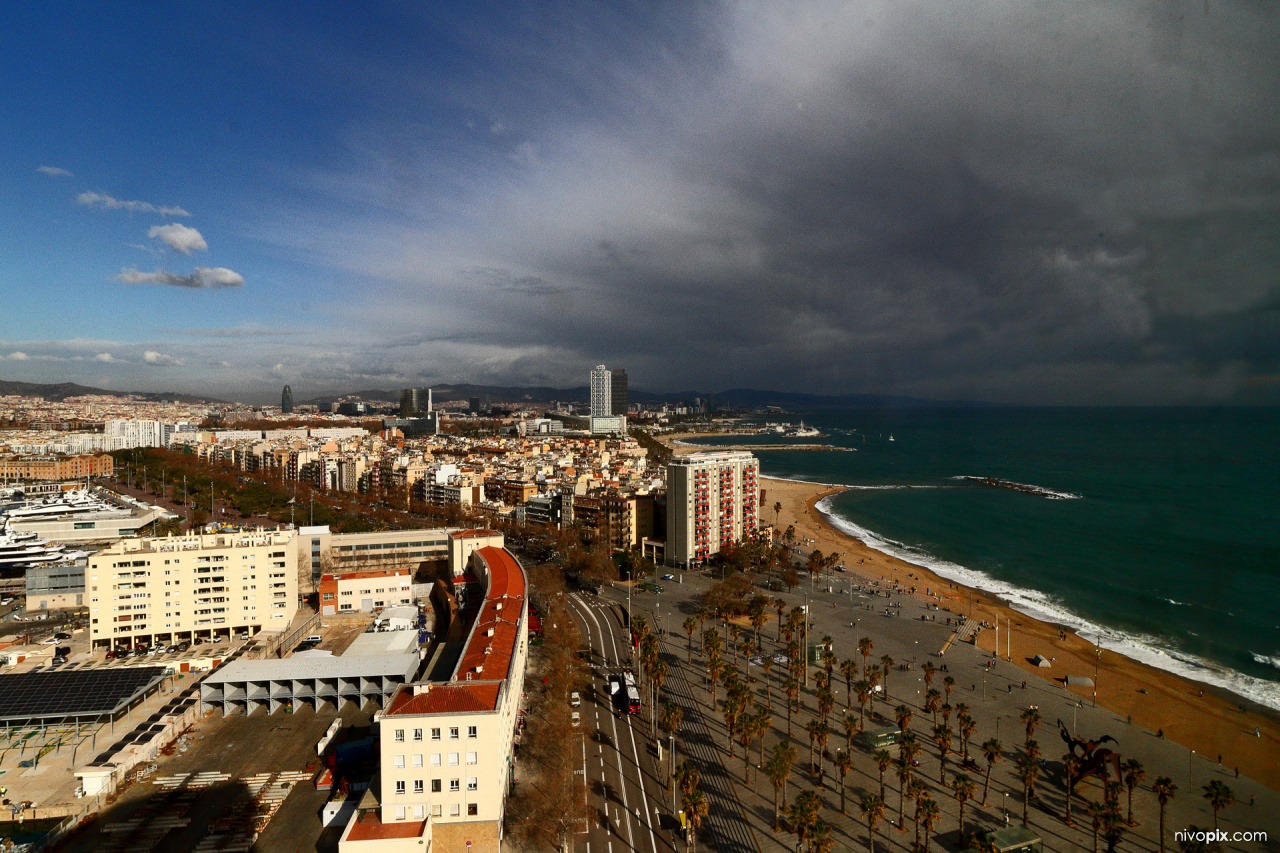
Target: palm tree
(902,716)
(885,663)
(928,813)
(1028,770)
(947,683)
(779,605)
(932,700)
(1219,797)
(849,669)
(778,769)
(872,808)
(850,728)
(902,767)
(1096,812)
(919,792)
(657,676)
(862,687)
(714,668)
(929,671)
(883,759)
(703,614)
(695,809)
(865,647)
(1030,718)
(826,703)
(1070,765)
(1133,774)
(756,609)
(812,728)
(804,817)
(687,776)
(1164,789)
(670,718)
(843,763)
(964,788)
(777,511)
(967,727)
(824,732)
(792,688)
(1032,748)
(942,736)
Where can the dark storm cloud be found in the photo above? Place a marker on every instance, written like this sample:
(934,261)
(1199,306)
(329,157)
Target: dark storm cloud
(1025,202)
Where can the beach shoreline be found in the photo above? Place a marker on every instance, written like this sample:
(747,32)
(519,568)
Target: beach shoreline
(1202,717)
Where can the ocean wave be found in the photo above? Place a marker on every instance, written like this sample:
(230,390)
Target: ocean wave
(1273,660)
(1179,603)
(1041,491)
(1153,651)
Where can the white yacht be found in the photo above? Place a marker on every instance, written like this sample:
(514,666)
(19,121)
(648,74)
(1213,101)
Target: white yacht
(21,551)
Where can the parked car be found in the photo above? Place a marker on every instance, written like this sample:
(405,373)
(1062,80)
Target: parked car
(60,659)
(183,646)
(575,701)
(577,719)
(62,635)
(668,577)
(111,654)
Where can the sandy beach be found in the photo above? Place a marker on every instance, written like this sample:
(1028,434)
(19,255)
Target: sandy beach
(1197,716)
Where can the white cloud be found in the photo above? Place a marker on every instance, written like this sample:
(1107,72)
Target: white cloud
(107,358)
(105,201)
(179,237)
(201,278)
(160,359)
(17,356)
(54,172)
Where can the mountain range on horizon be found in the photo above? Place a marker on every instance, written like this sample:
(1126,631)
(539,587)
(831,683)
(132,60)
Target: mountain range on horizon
(734,398)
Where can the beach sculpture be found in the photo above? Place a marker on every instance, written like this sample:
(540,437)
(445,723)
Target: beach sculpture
(1092,756)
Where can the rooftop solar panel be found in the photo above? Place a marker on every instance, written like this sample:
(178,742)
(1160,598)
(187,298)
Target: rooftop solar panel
(68,693)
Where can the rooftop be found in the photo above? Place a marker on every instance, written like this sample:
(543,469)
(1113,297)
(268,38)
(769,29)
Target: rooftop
(455,698)
(474,533)
(369,827)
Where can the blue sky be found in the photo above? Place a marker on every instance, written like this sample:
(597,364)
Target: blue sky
(1019,203)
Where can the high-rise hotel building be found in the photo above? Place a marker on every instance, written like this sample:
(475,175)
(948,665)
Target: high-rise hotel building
(713,500)
(604,419)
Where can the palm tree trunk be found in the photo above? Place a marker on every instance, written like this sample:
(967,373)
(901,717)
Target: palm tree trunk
(1162,828)
(987,785)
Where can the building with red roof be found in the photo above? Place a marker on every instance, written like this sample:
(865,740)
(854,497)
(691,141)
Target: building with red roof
(447,745)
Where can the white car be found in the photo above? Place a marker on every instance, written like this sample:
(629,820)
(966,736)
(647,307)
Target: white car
(781,658)
(668,577)
(575,701)
(577,719)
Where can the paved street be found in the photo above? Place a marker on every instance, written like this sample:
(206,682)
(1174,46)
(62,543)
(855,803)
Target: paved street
(995,696)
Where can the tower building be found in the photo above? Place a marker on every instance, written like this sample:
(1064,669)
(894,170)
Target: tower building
(286,401)
(618,394)
(603,419)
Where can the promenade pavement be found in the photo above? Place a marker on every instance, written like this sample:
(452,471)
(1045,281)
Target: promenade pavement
(846,608)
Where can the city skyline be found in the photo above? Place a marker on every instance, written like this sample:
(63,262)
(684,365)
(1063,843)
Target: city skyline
(1014,206)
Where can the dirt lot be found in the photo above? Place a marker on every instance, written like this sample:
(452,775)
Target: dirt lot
(239,746)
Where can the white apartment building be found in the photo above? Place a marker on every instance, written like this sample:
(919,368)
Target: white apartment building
(446,748)
(603,419)
(353,592)
(134,433)
(713,500)
(152,590)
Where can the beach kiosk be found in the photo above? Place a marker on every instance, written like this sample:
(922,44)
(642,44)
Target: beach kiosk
(1015,839)
(877,737)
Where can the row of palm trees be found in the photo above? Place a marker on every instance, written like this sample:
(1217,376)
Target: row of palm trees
(747,724)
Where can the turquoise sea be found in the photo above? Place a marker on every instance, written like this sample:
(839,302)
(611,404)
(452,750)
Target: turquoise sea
(1154,531)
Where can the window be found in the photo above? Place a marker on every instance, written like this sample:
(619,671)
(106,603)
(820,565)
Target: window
(399,735)
(435,734)
(455,810)
(417,734)
(419,812)
(399,761)
(328,596)
(437,811)
(417,760)
(435,759)
(455,785)
(473,809)
(471,732)
(400,787)
(399,812)
(453,733)
(417,786)
(473,783)
(473,758)
(453,759)
(435,786)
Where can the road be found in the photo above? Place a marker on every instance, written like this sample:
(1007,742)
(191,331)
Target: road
(624,797)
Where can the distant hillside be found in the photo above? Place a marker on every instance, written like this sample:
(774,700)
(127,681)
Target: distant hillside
(735,398)
(63,390)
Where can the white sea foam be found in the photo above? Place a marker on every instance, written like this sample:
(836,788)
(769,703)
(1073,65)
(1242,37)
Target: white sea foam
(1028,487)
(1273,660)
(1179,603)
(1153,651)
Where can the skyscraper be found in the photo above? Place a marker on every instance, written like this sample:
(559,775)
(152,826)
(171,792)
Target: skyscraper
(286,400)
(619,392)
(603,418)
(712,501)
(601,392)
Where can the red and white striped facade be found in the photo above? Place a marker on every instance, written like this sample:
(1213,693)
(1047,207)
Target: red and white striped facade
(713,500)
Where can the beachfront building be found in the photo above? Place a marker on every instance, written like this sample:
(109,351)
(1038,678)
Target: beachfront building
(219,585)
(604,420)
(713,500)
(446,760)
